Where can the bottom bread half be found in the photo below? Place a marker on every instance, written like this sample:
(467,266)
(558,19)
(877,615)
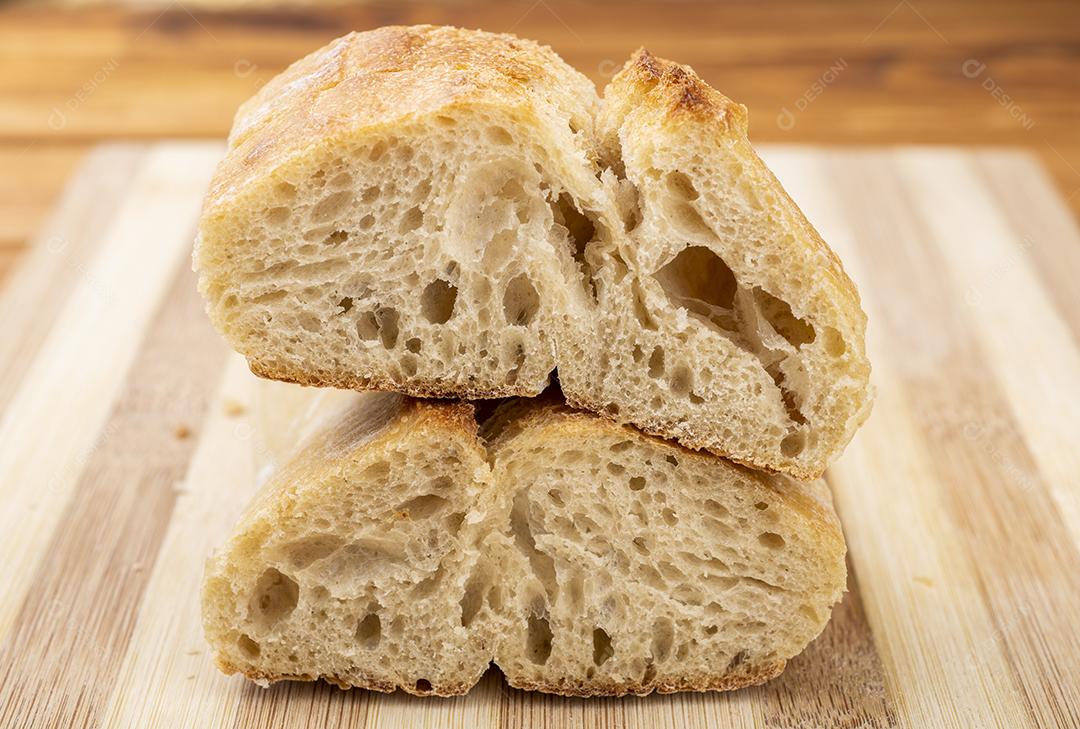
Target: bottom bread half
(406,546)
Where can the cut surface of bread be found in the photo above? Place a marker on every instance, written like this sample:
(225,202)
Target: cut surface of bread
(397,549)
(347,562)
(443,212)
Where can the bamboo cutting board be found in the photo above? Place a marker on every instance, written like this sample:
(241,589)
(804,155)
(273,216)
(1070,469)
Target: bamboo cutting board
(125,457)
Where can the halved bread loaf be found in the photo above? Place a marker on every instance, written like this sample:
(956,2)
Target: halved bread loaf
(444,212)
(347,563)
(582,556)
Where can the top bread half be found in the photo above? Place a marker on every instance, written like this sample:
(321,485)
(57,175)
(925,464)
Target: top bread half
(454,213)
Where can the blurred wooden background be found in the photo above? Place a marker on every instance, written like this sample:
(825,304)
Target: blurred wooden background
(959,71)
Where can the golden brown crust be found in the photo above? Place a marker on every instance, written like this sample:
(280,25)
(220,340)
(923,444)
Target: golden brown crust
(413,387)
(675,89)
(678,89)
(724,682)
(695,441)
(363,82)
(265,679)
(367,425)
(585,689)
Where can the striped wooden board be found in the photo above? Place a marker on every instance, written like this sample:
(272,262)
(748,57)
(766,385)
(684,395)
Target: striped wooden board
(125,456)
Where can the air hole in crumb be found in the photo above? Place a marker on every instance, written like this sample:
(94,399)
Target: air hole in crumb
(369,631)
(499,135)
(387,321)
(366,222)
(602,649)
(682,380)
(580,231)
(737,660)
(274,598)
(437,301)
(285,190)
(331,206)
(575,591)
(788,398)
(377,471)
(516,357)
(446,121)
(336,238)
(669,517)
(520,301)
(698,280)
(616,469)
(538,640)
(834,343)
(637,483)
(422,191)
(715,508)
(278,216)
(341,181)
(309,322)
(641,311)
(556,497)
(422,507)
(306,550)
(621,446)
(771,540)
(367,326)
(656,363)
(411,220)
(711,629)
(413,345)
(377,151)
(663,637)
(473,599)
(423,686)
(671,459)
(248,647)
(793,444)
(778,313)
(345,304)
(761,506)
(686,217)
(679,184)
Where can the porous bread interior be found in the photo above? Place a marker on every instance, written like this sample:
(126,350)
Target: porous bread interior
(644,566)
(436,245)
(645,252)
(700,348)
(347,568)
(588,559)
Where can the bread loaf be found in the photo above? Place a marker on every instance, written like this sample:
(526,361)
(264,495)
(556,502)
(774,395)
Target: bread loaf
(455,213)
(400,549)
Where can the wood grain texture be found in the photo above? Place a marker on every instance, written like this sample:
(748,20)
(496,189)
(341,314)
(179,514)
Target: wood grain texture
(129,436)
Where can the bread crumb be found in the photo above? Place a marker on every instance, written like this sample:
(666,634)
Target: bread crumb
(234,408)
(182,432)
